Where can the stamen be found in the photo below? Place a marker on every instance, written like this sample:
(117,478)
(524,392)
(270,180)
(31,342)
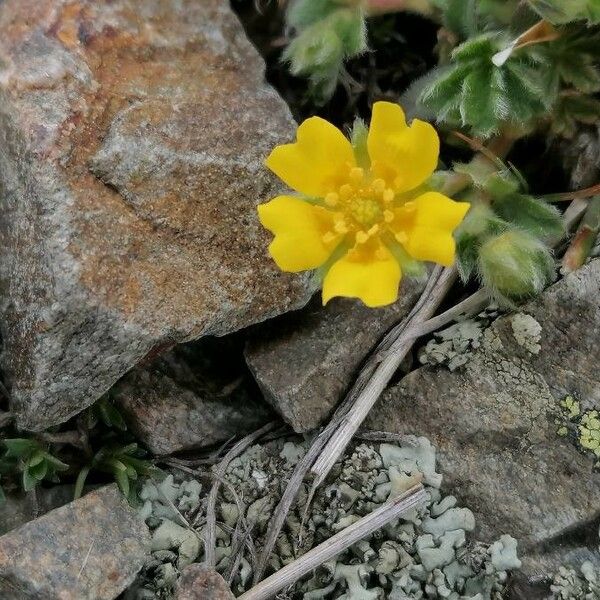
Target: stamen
(388,215)
(357,174)
(402,237)
(378,186)
(381,254)
(332,199)
(373,230)
(361,237)
(346,191)
(388,195)
(329,237)
(340,226)
(410,206)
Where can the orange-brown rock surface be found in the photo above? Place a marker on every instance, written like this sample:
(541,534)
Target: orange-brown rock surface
(132,139)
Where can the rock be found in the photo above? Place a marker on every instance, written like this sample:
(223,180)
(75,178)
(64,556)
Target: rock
(133,134)
(174,404)
(90,549)
(305,362)
(199,582)
(22,508)
(495,421)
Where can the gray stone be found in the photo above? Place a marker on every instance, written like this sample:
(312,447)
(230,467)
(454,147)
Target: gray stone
(305,362)
(133,135)
(90,549)
(494,422)
(22,508)
(199,582)
(171,406)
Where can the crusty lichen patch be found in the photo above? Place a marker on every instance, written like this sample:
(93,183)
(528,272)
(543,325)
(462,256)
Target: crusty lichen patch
(423,555)
(582,426)
(526,331)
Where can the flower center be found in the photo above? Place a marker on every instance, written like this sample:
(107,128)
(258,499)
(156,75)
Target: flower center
(362,205)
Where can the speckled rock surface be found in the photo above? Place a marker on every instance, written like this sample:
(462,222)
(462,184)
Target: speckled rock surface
(198,582)
(133,134)
(173,404)
(90,549)
(495,421)
(305,363)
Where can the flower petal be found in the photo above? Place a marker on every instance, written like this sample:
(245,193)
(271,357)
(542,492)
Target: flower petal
(299,228)
(404,156)
(373,279)
(430,237)
(317,162)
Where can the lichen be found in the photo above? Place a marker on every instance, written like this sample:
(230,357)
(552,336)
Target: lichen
(572,584)
(453,346)
(582,426)
(526,331)
(425,554)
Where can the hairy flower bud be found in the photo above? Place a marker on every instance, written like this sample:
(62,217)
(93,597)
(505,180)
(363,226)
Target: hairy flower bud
(514,264)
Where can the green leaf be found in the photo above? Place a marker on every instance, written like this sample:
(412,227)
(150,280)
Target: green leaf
(57,464)
(39,470)
(18,447)
(531,214)
(80,482)
(29,481)
(36,458)
(122,481)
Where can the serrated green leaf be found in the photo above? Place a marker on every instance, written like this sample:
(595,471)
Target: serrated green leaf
(531,214)
(475,48)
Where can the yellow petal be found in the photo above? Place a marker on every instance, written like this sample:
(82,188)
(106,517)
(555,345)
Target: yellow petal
(404,156)
(299,229)
(430,236)
(374,279)
(317,163)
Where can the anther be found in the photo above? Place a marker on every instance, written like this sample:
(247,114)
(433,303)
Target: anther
(373,230)
(402,237)
(362,237)
(329,237)
(378,186)
(332,199)
(357,174)
(341,227)
(346,191)
(388,195)
(388,215)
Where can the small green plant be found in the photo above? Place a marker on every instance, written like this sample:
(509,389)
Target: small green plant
(33,460)
(125,463)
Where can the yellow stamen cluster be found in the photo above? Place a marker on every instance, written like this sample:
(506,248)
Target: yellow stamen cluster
(362,205)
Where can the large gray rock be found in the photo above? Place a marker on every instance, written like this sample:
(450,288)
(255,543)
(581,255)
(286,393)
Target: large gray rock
(305,362)
(90,549)
(495,422)
(176,404)
(133,134)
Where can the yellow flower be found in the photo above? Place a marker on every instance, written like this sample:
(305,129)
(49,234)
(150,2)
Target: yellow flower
(357,218)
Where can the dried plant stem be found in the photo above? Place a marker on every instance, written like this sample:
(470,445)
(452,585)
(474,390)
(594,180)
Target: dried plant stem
(210,540)
(381,377)
(335,545)
(302,468)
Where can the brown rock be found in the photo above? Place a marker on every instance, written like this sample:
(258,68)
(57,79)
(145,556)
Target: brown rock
(177,404)
(199,582)
(304,362)
(133,134)
(90,549)
(494,423)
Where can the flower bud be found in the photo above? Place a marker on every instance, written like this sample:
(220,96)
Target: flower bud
(514,265)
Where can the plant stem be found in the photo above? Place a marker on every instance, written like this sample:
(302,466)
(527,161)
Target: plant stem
(381,377)
(584,239)
(210,540)
(335,545)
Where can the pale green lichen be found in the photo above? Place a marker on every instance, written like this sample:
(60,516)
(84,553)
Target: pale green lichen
(582,426)
(423,555)
(572,584)
(526,331)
